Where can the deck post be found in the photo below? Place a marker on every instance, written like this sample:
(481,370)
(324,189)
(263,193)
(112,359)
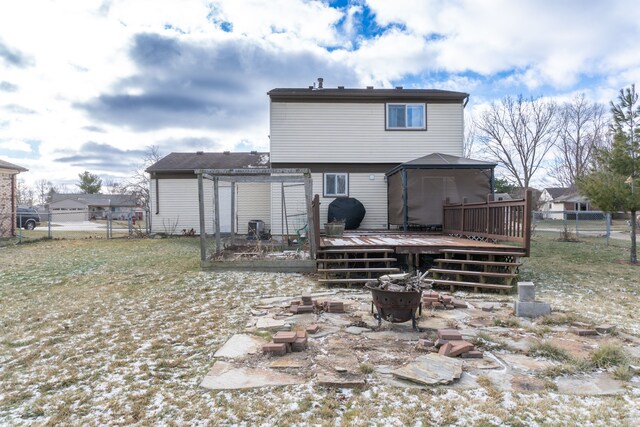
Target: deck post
(203,235)
(528,212)
(316,221)
(311,228)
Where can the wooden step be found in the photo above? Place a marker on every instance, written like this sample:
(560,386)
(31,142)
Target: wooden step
(472,273)
(343,260)
(344,280)
(359,270)
(470,284)
(481,252)
(355,250)
(478,262)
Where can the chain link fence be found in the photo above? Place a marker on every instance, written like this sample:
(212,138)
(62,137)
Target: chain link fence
(31,224)
(577,224)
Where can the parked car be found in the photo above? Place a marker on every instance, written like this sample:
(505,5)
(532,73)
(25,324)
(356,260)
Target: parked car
(28,218)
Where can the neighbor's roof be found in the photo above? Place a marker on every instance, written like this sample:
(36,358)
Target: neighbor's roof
(571,197)
(96,199)
(365,95)
(7,165)
(187,162)
(556,192)
(442,161)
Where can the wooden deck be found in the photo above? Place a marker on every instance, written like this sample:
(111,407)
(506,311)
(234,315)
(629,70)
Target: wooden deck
(407,243)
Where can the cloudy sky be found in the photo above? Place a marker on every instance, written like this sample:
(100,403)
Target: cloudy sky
(87,85)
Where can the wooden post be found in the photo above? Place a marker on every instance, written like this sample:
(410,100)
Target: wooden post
(528,206)
(203,234)
(308,195)
(233,213)
(216,214)
(316,220)
(464,202)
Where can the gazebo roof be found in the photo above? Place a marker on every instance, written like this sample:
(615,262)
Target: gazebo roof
(442,161)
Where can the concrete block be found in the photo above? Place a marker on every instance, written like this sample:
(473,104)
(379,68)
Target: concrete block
(449,334)
(526,292)
(532,309)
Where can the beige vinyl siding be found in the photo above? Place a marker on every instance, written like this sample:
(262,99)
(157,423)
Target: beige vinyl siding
(353,132)
(179,206)
(372,193)
(253,201)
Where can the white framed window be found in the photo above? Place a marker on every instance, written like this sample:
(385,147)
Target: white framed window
(406,116)
(336,184)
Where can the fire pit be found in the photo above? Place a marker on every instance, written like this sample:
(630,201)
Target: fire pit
(396,297)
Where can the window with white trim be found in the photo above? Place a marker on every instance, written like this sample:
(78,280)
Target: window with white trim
(336,184)
(406,116)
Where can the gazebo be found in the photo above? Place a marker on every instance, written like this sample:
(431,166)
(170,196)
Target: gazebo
(418,189)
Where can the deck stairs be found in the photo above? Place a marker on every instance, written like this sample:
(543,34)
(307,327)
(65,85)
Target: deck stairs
(349,266)
(477,269)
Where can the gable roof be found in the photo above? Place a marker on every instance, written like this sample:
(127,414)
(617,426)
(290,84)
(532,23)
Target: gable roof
(442,161)
(365,95)
(11,166)
(96,199)
(187,162)
(556,192)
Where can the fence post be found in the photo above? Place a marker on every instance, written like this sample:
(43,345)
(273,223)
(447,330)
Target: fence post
(19,228)
(577,225)
(49,216)
(130,222)
(607,218)
(108,224)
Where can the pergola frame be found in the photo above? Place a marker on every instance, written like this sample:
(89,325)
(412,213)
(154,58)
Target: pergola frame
(250,175)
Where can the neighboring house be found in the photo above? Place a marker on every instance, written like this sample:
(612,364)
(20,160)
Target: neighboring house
(8,206)
(174,192)
(349,139)
(84,207)
(556,201)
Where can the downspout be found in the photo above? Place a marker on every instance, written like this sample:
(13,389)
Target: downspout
(13,205)
(493,190)
(465,101)
(157,195)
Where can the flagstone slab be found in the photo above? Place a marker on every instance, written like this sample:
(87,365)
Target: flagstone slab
(239,346)
(431,369)
(225,376)
(594,385)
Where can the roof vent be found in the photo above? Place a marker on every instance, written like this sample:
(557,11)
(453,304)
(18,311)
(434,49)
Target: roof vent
(226,152)
(370,87)
(399,87)
(320,80)
(199,152)
(311,87)
(254,152)
(340,87)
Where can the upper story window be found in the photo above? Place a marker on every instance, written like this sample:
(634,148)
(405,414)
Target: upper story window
(336,184)
(406,116)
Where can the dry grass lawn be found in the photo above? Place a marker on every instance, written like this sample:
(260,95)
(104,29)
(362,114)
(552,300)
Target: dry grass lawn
(121,332)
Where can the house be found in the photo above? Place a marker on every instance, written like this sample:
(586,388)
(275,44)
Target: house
(349,139)
(174,192)
(8,206)
(84,207)
(555,202)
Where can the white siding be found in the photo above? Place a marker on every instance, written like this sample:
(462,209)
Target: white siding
(346,133)
(372,193)
(179,206)
(253,201)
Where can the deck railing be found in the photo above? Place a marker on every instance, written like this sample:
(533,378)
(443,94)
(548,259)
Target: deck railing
(504,220)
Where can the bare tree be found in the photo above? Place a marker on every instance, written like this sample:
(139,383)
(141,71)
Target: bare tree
(469,136)
(518,133)
(138,183)
(42,191)
(111,186)
(24,193)
(582,129)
